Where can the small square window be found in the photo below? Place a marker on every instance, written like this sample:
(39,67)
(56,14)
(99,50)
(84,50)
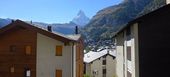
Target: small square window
(104,62)
(12,69)
(58,50)
(12,48)
(28,50)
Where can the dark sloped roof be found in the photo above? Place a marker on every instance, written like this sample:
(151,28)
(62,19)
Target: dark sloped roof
(29,26)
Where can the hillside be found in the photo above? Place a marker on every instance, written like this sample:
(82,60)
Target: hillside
(108,20)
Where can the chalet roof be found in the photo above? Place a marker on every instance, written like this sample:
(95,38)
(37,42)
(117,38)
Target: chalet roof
(44,31)
(92,56)
(163,9)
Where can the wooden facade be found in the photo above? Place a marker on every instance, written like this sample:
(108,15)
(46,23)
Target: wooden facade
(16,56)
(79,59)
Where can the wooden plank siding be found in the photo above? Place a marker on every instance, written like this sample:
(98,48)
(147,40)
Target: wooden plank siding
(20,37)
(79,59)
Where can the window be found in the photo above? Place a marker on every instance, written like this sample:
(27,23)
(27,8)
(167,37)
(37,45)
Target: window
(95,72)
(104,62)
(12,69)
(58,73)
(58,50)
(129,74)
(129,53)
(12,48)
(28,50)
(104,72)
(27,72)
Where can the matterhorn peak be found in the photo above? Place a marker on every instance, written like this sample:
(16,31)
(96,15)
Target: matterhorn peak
(81,19)
(81,13)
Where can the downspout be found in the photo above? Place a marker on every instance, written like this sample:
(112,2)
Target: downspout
(72,60)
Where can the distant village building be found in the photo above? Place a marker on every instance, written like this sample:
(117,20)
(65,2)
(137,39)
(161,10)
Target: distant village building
(143,46)
(29,51)
(100,64)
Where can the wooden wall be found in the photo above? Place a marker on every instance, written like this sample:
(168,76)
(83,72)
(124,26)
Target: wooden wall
(79,59)
(20,37)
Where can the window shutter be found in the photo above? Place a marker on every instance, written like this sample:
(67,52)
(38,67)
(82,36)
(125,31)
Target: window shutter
(58,50)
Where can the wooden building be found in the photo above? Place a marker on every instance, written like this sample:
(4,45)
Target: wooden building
(143,46)
(29,51)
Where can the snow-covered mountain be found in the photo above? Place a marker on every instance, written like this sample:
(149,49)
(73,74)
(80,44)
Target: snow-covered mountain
(81,19)
(66,28)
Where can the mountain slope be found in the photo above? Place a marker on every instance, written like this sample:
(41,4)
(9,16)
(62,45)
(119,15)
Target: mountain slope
(4,22)
(155,4)
(107,21)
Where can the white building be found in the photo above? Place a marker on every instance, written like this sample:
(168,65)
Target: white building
(100,64)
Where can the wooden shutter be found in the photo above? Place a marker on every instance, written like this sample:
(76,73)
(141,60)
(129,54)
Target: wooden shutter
(58,50)
(28,50)
(58,73)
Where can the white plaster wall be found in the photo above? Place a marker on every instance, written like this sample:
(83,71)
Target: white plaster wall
(110,66)
(47,62)
(88,68)
(135,50)
(119,55)
(167,1)
(126,43)
(97,65)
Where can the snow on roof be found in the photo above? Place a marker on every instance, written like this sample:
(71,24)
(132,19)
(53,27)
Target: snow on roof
(91,55)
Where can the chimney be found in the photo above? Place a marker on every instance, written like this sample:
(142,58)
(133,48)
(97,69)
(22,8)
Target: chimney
(12,21)
(76,30)
(31,21)
(167,1)
(49,28)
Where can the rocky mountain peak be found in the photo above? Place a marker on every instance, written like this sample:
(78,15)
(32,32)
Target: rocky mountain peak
(81,19)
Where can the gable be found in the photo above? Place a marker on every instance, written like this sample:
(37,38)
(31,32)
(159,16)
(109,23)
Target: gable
(23,25)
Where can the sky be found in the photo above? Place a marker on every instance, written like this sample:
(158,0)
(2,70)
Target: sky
(51,11)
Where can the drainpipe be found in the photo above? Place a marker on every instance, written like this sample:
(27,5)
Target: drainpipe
(72,58)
